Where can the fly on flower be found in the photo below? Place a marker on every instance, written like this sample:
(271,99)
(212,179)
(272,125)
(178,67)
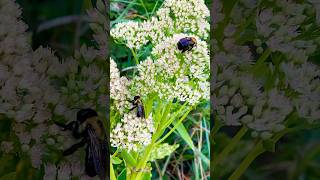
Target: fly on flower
(137,103)
(186,43)
(94,136)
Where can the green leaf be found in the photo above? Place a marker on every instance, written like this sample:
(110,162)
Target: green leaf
(185,135)
(128,158)
(146,176)
(116,160)
(162,150)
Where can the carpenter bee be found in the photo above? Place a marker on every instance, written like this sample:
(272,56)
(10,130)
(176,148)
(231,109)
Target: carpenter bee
(94,137)
(137,103)
(186,43)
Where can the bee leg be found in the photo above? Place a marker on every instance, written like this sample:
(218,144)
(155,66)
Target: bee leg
(65,127)
(133,108)
(74,148)
(190,48)
(75,131)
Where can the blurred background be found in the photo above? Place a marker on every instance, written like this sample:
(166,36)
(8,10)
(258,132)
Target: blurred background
(61,25)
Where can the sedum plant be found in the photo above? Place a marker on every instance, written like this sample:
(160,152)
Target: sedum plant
(169,82)
(266,75)
(37,89)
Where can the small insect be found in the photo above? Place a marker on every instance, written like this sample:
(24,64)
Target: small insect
(94,137)
(187,43)
(137,103)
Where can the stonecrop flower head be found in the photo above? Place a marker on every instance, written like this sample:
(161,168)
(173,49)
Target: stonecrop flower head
(132,132)
(173,74)
(264,74)
(175,16)
(119,92)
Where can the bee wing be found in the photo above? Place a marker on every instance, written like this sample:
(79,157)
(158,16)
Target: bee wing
(140,111)
(97,154)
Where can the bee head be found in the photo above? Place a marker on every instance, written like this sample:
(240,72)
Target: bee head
(84,114)
(136,98)
(193,39)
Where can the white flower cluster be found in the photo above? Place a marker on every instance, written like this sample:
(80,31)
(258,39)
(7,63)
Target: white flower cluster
(264,104)
(119,88)
(66,170)
(238,100)
(174,74)
(12,28)
(281,29)
(175,16)
(132,132)
(131,33)
(305,80)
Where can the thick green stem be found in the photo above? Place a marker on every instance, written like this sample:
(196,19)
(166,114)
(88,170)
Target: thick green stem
(135,56)
(230,146)
(253,154)
(137,175)
(142,163)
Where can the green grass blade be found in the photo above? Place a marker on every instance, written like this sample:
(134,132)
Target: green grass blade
(182,131)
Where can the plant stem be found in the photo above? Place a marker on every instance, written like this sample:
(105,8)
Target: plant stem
(154,7)
(142,163)
(253,154)
(136,60)
(145,157)
(144,7)
(134,56)
(230,146)
(262,58)
(115,153)
(174,127)
(216,127)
